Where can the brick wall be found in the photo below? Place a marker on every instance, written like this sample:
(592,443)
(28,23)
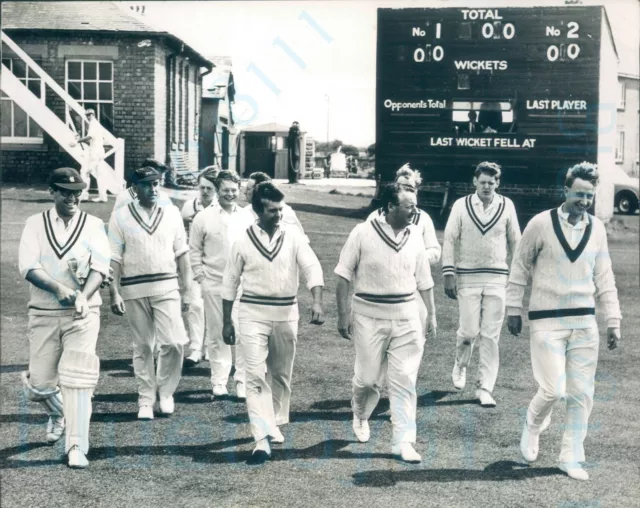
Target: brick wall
(139,100)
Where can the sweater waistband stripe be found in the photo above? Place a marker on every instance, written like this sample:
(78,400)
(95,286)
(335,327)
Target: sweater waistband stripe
(143,279)
(388,299)
(560,313)
(504,271)
(278,301)
(276,298)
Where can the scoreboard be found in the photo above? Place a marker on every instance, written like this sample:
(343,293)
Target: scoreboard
(518,86)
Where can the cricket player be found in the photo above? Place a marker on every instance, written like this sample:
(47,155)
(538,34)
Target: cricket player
(129,195)
(268,258)
(194,318)
(412,179)
(150,266)
(386,260)
(248,215)
(94,155)
(481,232)
(64,255)
(565,252)
(407,177)
(212,235)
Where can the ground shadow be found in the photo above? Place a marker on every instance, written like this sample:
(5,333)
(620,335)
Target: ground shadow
(504,470)
(309,416)
(115,397)
(196,371)
(427,399)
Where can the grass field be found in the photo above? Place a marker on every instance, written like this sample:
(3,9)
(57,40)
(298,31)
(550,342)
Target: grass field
(197,456)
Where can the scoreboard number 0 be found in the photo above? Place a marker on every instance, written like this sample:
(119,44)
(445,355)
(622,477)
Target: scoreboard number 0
(420,55)
(508,30)
(573,50)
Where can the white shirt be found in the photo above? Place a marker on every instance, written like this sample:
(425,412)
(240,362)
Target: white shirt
(572,233)
(479,208)
(212,233)
(96,143)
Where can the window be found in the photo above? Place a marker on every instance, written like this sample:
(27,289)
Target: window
(622,90)
(91,84)
(17,126)
(488,116)
(620,147)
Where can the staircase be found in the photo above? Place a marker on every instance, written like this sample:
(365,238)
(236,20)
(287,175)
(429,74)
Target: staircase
(63,133)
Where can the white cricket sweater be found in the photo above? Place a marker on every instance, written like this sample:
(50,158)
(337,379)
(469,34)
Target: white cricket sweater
(565,279)
(476,246)
(425,225)
(147,249)
(386,270)
(191,208)
(67,255)
(269,272)
(210,244)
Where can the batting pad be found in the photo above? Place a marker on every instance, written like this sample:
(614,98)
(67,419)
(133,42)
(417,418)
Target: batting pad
(51,399)
(78,369)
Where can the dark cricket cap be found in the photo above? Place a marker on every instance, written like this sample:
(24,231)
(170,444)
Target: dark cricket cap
(145,174)
(66,178)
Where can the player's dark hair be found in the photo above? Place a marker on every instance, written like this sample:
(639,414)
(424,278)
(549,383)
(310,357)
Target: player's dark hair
(488,168)
(259,177)
(391,194)
(265,191)
(584,171)
(210,173)
(226,175)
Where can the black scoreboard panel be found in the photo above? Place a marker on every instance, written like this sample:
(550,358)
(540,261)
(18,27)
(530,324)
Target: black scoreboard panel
(530,76)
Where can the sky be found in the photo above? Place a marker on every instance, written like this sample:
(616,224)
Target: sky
(315,62)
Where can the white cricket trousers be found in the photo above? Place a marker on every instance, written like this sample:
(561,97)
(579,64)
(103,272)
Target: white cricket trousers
(157,317)
(194,319)
(48,338)
(564,366)
(399,344)
(269,348)
(220,354)
(482,312)
(91,166)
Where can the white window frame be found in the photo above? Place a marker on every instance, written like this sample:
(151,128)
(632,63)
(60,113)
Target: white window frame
(97,81)
(619,152)
(23,140)
(622,99)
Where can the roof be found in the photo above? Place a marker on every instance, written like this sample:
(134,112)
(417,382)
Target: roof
(267,127)
(81,16)
(219,83)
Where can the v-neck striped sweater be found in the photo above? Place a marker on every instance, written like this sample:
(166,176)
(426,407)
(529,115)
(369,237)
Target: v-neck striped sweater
(476,248)
(565,280)
(269,273)
(147,249)
(85,249)
(385,269)
(423,222)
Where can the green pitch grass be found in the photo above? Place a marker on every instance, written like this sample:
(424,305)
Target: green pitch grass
(197,456)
